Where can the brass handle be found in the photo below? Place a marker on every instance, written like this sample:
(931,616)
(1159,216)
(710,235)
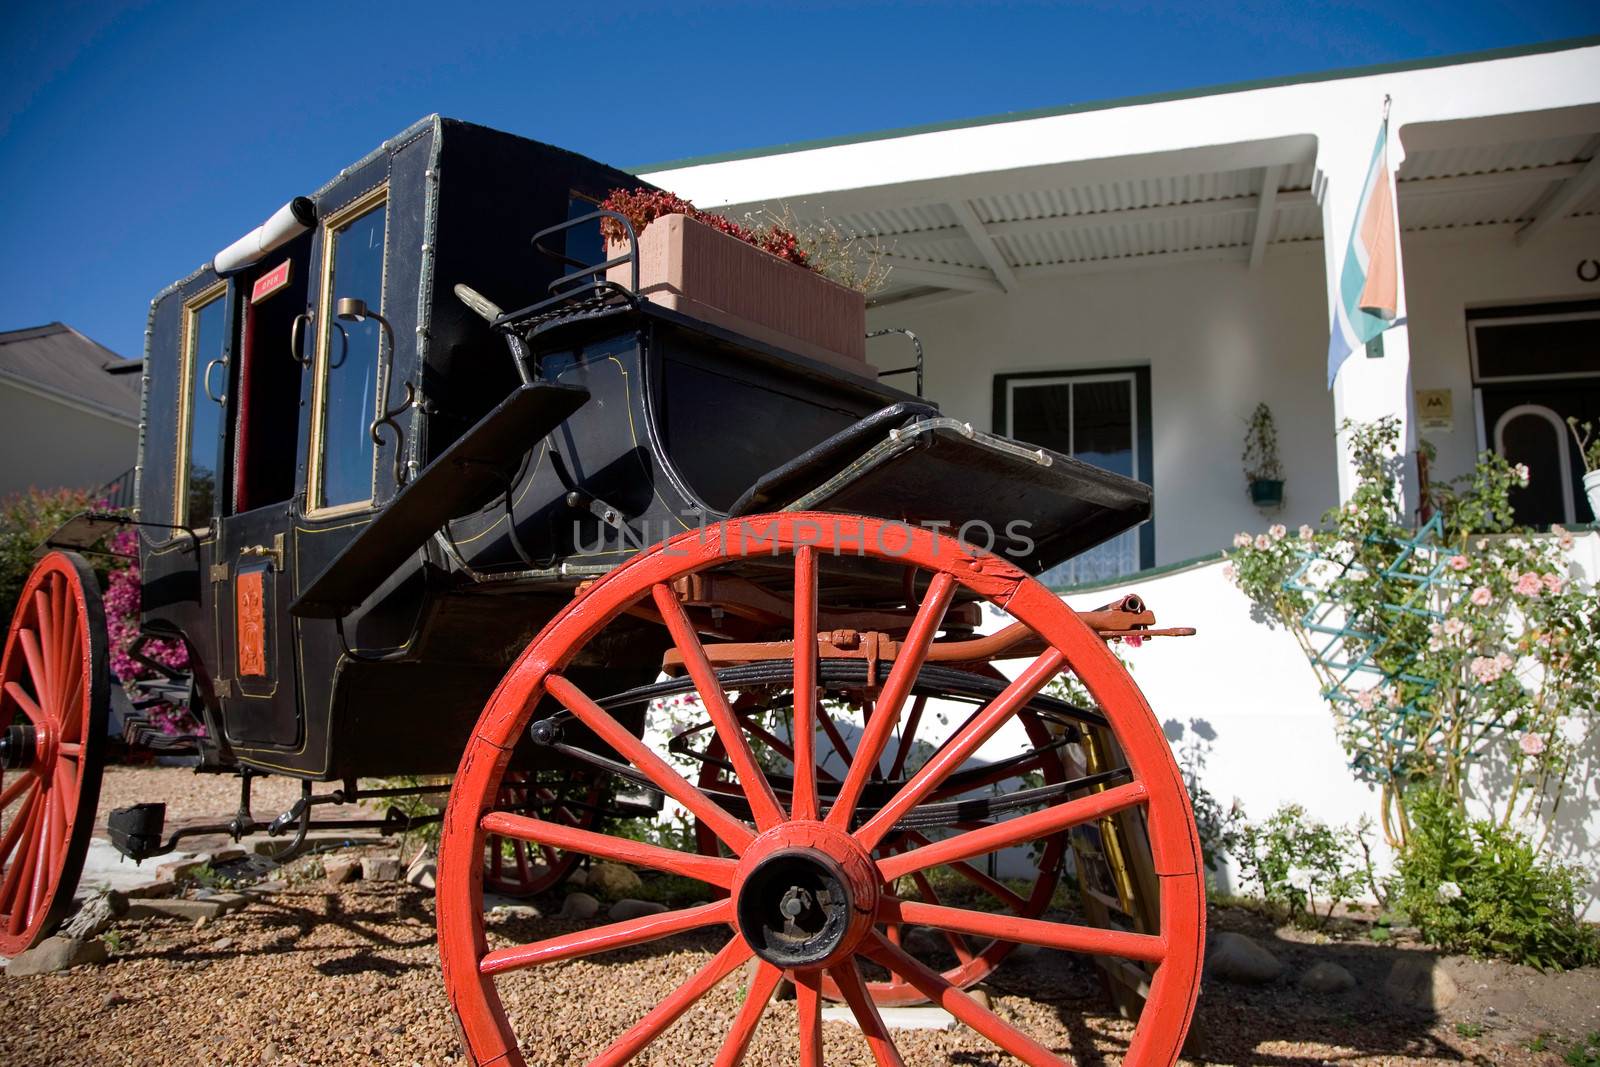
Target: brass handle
(274,553)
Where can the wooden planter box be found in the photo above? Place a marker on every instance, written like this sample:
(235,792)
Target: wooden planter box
(690,267)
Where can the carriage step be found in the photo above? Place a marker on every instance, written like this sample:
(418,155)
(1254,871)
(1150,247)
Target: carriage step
(140,731)
(136,831)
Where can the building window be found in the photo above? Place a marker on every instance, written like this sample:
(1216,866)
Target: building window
(1534,366)
(348,363)
(1101,417)
(205,351)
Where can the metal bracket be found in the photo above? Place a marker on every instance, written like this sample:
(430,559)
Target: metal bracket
(219,572)
(224,687)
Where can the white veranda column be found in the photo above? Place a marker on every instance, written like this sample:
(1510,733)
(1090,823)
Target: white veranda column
(1366,388)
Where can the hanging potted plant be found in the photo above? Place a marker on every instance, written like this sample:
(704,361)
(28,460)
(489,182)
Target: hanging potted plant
(759,280)
(1262,470)
(1588,438)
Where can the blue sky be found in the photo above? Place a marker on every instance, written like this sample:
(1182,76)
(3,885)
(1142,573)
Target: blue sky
(138,139)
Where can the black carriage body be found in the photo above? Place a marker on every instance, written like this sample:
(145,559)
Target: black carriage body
(337,638)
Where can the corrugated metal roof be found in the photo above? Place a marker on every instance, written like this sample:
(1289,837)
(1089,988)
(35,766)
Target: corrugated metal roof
(58,359)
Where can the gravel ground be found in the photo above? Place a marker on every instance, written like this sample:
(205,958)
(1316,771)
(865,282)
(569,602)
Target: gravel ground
(317,974)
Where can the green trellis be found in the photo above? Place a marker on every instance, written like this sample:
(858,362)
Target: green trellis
(1379,746)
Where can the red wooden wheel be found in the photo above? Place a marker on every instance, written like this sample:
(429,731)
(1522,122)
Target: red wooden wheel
(807,885)
(960,961)
(517,868)
(53,710)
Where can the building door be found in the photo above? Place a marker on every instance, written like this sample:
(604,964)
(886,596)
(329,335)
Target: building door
(1101,417)
(1535,366)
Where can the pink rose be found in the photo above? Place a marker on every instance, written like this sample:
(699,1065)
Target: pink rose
(1241,540)
(1278,530)
(1553,582)
(1306,532)
(1481,596)
(1263,541)
(1529,585)
(1459,563)
(1228,572)
(1531,744)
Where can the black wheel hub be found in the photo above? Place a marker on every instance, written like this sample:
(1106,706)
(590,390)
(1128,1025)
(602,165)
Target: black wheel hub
(17,747)
(794,908)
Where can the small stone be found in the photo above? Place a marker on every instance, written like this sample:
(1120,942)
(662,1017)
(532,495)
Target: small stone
(200,923)
(1240,959)
(578,878)
(269,1052)
(982,996)
(341,871)
(579,906)
(1420,984)
(512,912)
(222,944)
(1326,977)
(56,954)
(183,870)
(922,942)
(423,872)
(112,1000)
(175,908)
(613,880)
(382,869)
(628,908)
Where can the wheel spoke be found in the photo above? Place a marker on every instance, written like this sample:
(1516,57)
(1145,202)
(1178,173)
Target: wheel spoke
(967,741)
(808,1005)
(994,887)
(763,801)
(666,1013)
(14,890)
(735,834)
(605,938)
(1064,936)
(36,667)
(712,869)
(29,708)
(847,976)
(49,636)
(14,789)
(934,986)
(835,738)
(53,842)
(756,998)
(804,730)
(18,827)
(886,714)
(957,943)
(908,734)
(1001,835)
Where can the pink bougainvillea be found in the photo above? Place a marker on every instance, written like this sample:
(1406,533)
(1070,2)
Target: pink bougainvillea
(122,628)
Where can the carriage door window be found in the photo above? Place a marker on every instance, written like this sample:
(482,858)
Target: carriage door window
(347,383)
(1101,418)
(1535,366)
(205,378)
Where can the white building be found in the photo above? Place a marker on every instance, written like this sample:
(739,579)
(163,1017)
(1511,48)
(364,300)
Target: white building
(1128,279)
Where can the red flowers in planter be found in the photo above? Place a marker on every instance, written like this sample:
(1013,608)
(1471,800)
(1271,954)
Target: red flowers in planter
(641,207)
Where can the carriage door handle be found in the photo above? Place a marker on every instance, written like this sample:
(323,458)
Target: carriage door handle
(297,336)
(205,380)
(274,554)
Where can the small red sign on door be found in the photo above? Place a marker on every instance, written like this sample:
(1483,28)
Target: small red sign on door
(250,622)
(270,282)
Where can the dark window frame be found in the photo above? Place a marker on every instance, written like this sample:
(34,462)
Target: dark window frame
(1143,431)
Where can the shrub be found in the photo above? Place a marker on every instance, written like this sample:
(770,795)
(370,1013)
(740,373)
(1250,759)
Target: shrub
(26,519)
(1480,887)
(1292,860)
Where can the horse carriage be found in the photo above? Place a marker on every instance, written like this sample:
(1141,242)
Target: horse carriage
(401,531)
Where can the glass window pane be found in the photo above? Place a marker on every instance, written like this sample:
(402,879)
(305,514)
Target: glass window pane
(1517,349)
(207,341)
(1102,425)
(351,361)
(1041,415)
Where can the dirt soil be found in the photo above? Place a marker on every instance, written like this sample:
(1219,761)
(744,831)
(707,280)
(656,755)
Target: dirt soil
(312,973)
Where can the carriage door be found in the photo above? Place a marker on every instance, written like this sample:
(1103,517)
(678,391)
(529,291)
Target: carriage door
(255,562)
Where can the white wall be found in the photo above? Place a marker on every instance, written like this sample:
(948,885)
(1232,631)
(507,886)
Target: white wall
(1217,337)
(49,445)
(1272,736)
(1449,271)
